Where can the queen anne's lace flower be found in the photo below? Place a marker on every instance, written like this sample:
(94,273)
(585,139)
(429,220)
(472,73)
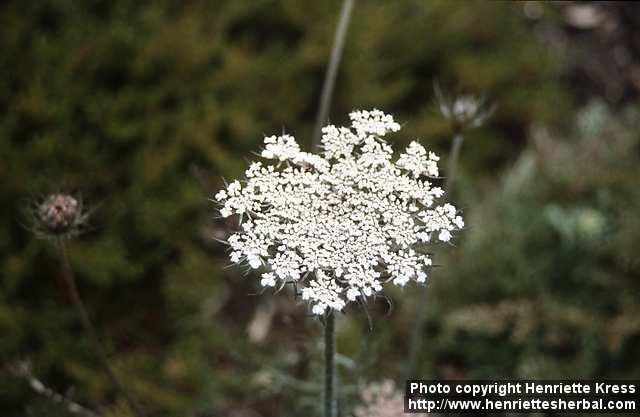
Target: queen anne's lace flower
(342,223)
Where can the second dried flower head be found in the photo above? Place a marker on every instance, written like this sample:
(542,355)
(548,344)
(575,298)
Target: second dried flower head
(58,215)
(341,223)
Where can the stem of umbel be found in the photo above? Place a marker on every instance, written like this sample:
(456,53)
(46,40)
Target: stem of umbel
(330,376)
(70,282)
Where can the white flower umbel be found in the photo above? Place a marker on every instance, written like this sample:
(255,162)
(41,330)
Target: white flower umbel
(341,223)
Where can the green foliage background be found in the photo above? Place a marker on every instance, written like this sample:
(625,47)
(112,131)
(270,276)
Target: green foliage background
(144,107)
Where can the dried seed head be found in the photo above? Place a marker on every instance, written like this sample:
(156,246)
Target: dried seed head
(59,215)
(464,111)
(58,212)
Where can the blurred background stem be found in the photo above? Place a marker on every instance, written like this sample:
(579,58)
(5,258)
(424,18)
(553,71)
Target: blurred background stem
(70,282)
(415,340)
(330,377)
(23,370)
(332,72)
(452,167)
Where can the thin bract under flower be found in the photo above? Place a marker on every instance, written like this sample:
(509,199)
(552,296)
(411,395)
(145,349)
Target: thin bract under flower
(341,223)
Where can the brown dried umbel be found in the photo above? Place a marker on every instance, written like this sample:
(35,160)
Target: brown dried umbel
(59,215)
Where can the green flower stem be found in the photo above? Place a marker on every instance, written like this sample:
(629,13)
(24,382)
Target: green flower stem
(330,376)
(69,279)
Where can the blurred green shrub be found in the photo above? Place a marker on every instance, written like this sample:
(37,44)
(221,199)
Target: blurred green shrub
(547,279)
